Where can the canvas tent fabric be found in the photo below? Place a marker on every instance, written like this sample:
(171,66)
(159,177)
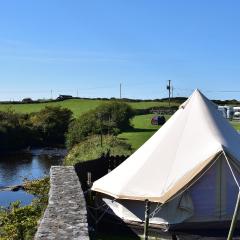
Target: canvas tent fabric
(176,211)
(211,198)
(181,150)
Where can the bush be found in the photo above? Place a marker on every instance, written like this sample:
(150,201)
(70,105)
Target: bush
(20,222)
(14,132)
(108,118)
(91,148)
(117,114)
(44,128)
(52,124)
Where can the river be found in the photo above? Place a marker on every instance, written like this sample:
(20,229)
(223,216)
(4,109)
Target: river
(16,167)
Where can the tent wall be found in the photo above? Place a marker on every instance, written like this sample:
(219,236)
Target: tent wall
(211,198)
(232,190)
(174,212)
(203,195)
(214,195)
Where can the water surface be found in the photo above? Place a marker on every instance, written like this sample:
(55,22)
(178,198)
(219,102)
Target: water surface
(16,167)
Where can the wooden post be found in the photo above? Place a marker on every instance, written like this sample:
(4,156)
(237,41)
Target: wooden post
(146,223)
(96,214)
(89,184)
(89,179)
(234,219)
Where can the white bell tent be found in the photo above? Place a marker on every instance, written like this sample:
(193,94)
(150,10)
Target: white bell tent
(189,170)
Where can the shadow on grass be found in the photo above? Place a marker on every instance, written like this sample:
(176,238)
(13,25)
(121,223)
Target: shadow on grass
(141,130)
(111,227)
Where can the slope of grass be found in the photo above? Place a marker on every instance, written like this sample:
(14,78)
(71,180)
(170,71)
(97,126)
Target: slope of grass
(142,131)
(77,106)
(236,125)
(91,149)
(144,105)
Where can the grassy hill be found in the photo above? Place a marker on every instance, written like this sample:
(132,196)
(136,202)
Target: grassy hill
(142,131)
(78,106)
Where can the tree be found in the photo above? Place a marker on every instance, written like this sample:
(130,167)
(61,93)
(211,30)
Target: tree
(108,118)
(52,124)
(14,134)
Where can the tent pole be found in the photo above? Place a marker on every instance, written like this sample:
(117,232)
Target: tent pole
(146,223)
(234,219)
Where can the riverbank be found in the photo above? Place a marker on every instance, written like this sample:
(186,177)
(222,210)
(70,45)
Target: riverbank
(17,167)
(20,222)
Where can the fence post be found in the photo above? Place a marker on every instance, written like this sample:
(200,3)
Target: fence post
(89,179)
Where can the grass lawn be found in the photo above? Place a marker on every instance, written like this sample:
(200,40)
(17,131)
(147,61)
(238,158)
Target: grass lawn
(142,131)
(112,237)
(77,106)
(144,105)
(236,124)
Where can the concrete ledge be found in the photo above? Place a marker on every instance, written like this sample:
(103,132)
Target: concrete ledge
(66,214)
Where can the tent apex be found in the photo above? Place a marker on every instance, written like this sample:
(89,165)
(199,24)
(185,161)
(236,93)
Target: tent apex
(197,91)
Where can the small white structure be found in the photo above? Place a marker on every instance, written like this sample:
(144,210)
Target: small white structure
(189,170)
(227,111)
(236,111)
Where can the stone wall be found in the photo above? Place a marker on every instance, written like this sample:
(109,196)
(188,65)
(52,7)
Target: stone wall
(66,214)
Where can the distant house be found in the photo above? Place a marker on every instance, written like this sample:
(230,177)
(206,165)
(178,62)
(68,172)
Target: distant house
(27,100)
(63,97)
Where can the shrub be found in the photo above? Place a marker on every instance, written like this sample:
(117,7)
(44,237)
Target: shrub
(117,114)
(108,118)
(51,123)
(14,133)
(91,148)
(47,127)
(20,222)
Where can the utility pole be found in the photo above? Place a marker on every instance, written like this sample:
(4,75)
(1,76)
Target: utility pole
(120,91)
(169,92)
(51,94)
(172,90)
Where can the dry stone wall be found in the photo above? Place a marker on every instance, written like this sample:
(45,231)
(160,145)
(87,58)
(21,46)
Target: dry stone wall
(66,214)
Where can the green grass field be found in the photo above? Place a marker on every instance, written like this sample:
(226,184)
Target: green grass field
(143,130)
(236,125)
(77,106)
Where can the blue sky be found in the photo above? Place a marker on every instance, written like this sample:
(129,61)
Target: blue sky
(93,46)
